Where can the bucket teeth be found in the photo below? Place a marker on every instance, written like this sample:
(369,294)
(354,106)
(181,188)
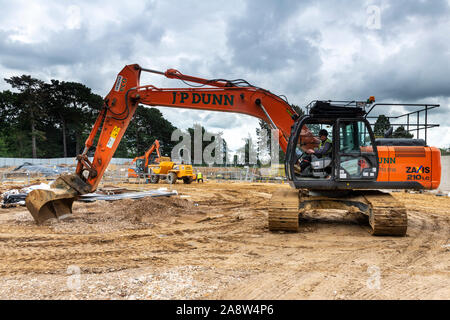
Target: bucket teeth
(57,201)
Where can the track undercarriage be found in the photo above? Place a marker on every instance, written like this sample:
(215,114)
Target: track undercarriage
(387,216)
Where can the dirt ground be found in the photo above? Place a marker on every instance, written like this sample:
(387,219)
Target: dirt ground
(212,242)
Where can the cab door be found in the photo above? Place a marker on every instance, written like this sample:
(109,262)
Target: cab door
(140,163)
(355,150)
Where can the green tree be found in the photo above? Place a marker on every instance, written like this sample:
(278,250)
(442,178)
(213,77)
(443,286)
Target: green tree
(30,105)
(147,125)
(72,106)
(401,132)
(4,152)
(53,119)
(7,119)
(445,151)
(235,160)
(381,126)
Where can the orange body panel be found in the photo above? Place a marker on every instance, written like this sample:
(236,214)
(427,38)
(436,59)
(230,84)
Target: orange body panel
(226,99)
(132,173)
(419,164)
(436,167)
(116,118)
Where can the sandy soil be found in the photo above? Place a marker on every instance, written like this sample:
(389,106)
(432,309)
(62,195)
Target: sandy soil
(212,242)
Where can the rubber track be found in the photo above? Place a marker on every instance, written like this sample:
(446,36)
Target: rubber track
(283,211)
(387,215)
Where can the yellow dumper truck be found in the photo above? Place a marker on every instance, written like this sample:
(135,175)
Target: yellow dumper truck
(170,171)
(156,168)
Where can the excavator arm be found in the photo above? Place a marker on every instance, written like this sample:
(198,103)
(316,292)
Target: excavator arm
(154,147)
(132,173)
(236,96)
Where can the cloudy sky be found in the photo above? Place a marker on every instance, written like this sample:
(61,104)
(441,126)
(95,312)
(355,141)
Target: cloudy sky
(398,51)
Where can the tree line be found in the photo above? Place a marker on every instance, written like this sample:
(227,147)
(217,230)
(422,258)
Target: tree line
(51,120)
(42,119)
(382,125)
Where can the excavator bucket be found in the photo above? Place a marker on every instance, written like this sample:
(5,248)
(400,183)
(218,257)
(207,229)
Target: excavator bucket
(57,201)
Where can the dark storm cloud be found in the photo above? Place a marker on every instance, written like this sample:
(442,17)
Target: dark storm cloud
(417,72)
(59,50)
(414,38)
(259,43)
(256,40)
(303,49)
(69,47)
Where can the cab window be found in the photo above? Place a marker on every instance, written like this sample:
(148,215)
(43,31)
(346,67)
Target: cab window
(356,160)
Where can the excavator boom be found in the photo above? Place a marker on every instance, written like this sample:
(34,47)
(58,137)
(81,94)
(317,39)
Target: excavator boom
(155,147)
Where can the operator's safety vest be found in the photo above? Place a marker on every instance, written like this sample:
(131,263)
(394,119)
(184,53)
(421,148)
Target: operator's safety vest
(329,150)
(199,175)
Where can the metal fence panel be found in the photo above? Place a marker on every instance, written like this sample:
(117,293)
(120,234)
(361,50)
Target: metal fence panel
(445,174)
(14,162)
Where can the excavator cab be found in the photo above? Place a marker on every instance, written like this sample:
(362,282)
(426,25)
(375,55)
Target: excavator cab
(309,165)
(353,156)
(140,166)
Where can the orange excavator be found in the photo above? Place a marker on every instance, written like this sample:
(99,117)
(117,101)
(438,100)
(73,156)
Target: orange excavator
(350,175)
(160,167)
(142,162)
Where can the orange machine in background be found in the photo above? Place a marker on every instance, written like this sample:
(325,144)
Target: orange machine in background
(142,162)
(152,168)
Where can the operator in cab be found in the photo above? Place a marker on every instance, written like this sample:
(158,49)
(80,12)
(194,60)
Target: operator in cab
(325,149)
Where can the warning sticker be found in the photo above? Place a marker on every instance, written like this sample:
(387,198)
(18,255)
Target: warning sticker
(113,137)
(115,132)
(121,83)
(118,83)
(110,142)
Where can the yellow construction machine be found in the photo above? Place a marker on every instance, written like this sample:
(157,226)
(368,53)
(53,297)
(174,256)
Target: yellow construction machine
(152,168)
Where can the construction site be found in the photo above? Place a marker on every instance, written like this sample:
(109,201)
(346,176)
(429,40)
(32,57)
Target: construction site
(244,151)
(211,241)
(348,215)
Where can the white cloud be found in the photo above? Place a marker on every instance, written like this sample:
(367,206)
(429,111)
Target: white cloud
(73,17)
